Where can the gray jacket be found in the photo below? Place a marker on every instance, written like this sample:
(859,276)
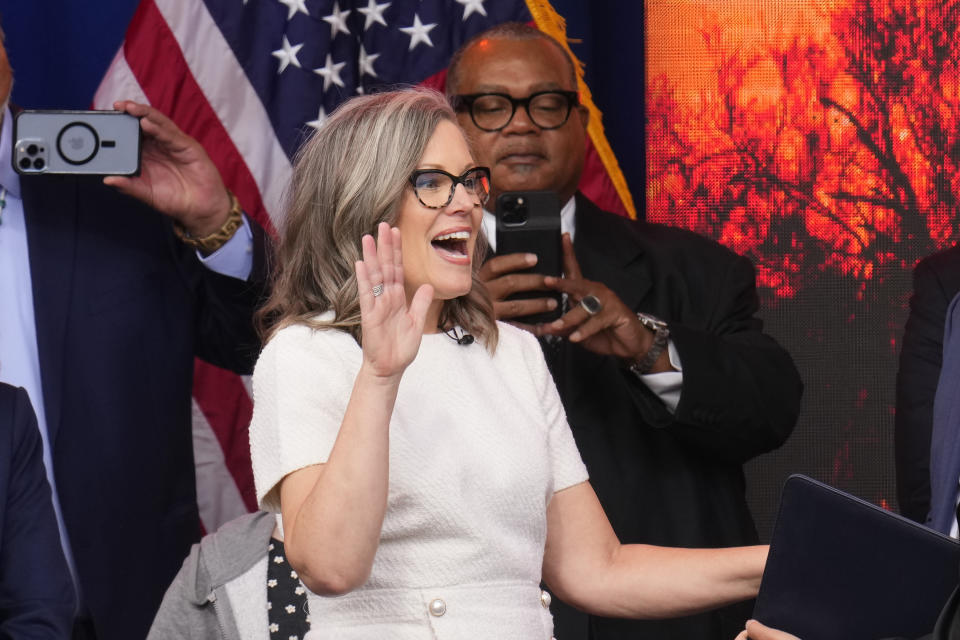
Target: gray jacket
(227,566)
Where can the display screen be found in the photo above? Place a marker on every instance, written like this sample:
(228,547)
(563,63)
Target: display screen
(819,138)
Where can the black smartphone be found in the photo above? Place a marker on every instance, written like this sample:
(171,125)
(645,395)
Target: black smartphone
(529,222)
(79,142)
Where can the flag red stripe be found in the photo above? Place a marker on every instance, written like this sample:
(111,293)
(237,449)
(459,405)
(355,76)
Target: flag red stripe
(172,89)
(595,183)
(224,401)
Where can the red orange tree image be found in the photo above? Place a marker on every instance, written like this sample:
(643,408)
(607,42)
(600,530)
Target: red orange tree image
(822,140)
(817,150)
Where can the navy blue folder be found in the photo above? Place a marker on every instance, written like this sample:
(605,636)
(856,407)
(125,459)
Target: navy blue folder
(840,567)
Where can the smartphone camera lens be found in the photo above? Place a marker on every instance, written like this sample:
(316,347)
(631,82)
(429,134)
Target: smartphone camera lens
(24,163)
(38,164)
(32,150)
(514,211)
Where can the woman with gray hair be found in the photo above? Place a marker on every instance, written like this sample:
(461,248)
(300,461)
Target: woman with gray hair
(416,449)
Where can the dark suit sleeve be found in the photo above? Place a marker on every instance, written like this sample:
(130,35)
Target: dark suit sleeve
(920,360)
(36,593)
(741,391)
(225,328)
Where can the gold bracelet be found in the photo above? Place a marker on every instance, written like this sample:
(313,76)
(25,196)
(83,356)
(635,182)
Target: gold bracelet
(209,244)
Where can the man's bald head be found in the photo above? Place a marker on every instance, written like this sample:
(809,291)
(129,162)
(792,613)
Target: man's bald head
(503,31)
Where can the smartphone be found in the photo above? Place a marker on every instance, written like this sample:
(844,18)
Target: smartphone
(529,222)
(77,142)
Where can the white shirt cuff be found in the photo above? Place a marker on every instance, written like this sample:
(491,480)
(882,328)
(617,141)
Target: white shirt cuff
(667,384)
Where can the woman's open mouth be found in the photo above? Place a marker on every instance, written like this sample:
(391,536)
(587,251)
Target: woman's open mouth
(452,246)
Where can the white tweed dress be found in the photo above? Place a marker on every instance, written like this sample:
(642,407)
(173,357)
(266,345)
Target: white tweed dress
(478,445)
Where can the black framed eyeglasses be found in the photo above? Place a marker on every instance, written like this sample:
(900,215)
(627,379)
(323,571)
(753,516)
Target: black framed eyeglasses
(435,187)
(494,111)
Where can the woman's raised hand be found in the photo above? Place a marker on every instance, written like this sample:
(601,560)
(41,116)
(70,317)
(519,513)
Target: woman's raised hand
(391,330)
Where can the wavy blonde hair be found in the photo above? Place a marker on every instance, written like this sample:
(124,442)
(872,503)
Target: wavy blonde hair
(347,178)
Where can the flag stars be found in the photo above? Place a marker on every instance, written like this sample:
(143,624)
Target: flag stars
(316,124)
(337,21)
(330,72)
(374,13)
(419,32)
(471,6)
(287,55)
(366,62)
(294,7)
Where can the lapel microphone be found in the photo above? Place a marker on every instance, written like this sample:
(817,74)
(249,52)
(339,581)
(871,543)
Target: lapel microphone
(463,340)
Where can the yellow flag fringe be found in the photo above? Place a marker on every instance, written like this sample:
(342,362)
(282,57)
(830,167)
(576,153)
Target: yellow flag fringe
(552,23)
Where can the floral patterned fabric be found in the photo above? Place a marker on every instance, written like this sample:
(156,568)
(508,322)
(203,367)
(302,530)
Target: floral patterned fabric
(286,597)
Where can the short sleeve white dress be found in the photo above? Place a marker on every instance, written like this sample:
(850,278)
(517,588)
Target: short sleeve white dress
(479,443)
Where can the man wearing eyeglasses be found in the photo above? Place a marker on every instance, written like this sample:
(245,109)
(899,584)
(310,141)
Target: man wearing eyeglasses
(667,379)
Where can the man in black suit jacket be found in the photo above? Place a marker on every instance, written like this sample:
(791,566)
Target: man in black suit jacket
(666,405)
(120,305)
(36,594)
(936,280)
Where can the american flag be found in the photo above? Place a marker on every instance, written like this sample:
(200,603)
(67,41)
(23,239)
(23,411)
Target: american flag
(250,79)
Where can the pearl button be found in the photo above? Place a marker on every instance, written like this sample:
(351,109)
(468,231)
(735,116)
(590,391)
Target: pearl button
(437,607)
(545,599)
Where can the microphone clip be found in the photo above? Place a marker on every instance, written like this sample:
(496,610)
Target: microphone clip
(463,340)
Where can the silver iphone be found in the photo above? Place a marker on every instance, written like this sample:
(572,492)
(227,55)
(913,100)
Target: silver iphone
(78,142)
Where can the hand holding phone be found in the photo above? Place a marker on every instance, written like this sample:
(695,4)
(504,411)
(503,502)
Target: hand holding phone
(142,153)
(177,177)
(528,222)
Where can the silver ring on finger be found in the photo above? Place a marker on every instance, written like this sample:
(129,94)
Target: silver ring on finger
(377,289)
(591,304)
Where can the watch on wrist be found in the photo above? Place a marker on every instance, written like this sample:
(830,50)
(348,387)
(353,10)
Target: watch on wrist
(661,333)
